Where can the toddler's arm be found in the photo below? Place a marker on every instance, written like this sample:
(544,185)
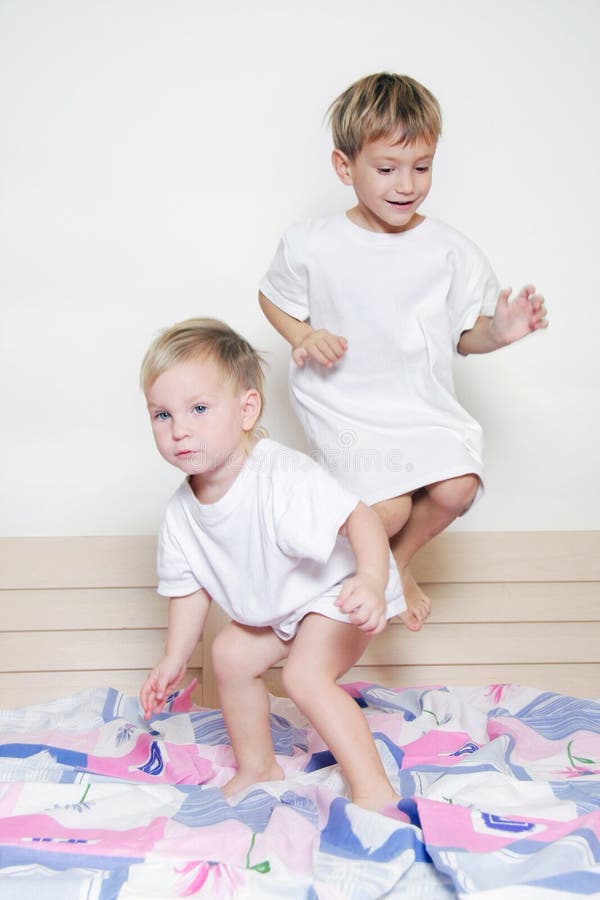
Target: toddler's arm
(363,596)
(319,344)
(511,322)
(187,616)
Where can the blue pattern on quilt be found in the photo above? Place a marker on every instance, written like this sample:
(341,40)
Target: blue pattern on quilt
(320,760)
(155,763)
(395,752)
(409,701)
(209,728)
(207,806)
(556,716)
(501,823)
(304,805)
(59,754)
(584,793)
(339,838)
(584,883)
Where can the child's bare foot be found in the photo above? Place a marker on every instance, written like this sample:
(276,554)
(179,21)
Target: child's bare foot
(243,779)
(418,604)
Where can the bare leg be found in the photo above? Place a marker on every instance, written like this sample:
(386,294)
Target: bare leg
(394,514)
(432,509)
(240,656)
(321,652)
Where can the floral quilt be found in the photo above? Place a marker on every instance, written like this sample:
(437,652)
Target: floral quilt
(500,789)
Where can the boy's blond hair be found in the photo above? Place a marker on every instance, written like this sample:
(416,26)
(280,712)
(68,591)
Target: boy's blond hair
(384,105)
(204,338)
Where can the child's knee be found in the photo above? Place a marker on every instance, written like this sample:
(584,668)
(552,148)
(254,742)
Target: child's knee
(297,681)
(456,495)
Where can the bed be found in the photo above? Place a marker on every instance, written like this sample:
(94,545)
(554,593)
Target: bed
(486,721)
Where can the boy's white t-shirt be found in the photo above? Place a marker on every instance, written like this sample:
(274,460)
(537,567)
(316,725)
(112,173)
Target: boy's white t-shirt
(384,419)
(268,552)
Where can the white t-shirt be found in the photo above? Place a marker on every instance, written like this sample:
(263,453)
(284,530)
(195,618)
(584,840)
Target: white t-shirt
(385,419)
(268,552)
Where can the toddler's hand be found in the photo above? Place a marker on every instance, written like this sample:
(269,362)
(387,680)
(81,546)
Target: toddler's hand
(162,681)
(322,346)
(517,318)
(362,598)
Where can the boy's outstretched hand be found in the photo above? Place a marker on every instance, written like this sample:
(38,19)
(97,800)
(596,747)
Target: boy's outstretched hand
(362,598)
(515,319)
(322,346)
(160,683)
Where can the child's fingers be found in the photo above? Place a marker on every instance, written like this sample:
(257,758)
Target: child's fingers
(346,605)
(346,600)
(326,348)
(334,346)
(148,700)
(317,354)
(299,355)
(359,617)
(538,312)
(375,624)
(329,346)
(380,625)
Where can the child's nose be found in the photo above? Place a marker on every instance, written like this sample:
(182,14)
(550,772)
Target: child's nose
(179,428)
(404,182)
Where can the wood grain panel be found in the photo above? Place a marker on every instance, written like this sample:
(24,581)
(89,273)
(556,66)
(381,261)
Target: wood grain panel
(38,651)
(75,609)
(77,562)
(515,602)
(521,607)
(510,556)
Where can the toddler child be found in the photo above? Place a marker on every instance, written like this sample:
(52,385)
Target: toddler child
(255,527)
(373,302)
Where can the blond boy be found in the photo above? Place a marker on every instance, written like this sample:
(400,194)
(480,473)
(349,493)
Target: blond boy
(255,527)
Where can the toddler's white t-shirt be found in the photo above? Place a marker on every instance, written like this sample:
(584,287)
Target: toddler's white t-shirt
(268,552)
(385,418)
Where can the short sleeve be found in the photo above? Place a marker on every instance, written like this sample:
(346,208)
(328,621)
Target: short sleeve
(474,290)
(286,282)
(312,512)
(175,577)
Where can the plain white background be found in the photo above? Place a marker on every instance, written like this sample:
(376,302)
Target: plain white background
(152,153)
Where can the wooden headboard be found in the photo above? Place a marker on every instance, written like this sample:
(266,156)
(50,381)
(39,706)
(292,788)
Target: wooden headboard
(517,607)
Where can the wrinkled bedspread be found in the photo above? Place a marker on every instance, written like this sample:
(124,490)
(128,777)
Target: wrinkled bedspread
(500,792)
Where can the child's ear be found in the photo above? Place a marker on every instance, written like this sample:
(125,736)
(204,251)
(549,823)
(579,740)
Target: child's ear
(251,404)
(342,166)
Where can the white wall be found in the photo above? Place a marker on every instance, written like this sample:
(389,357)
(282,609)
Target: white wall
(151,154)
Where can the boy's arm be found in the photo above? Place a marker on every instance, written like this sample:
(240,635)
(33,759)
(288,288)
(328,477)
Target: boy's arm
(187,616)
(363,596)
(511,321)
(321,345)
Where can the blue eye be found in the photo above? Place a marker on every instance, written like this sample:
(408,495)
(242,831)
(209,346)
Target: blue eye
(199,409)
(162,416)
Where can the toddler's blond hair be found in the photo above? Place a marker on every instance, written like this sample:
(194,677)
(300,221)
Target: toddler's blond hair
(384,105)
(203,338)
